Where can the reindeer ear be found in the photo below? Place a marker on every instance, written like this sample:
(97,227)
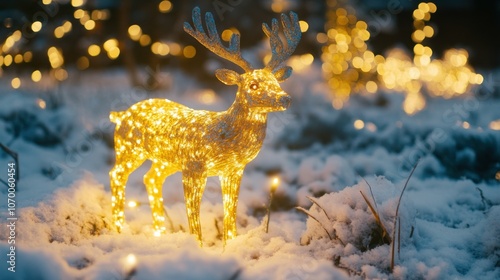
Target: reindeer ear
(283,73)
(228,77)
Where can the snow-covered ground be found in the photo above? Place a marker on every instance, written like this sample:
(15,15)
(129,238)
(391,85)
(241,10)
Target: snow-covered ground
(449,214)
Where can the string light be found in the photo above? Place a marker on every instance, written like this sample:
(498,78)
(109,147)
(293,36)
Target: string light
(165,6)
(36,76)
(275,182)
(36,26)
(349,66)
(135,32)
(15,83)
(202,143)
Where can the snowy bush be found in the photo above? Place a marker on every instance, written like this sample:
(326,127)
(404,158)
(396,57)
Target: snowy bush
(22,116)
(344,220)
(72,215)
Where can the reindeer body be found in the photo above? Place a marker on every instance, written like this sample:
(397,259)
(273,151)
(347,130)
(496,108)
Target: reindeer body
(213,135)
(201,143)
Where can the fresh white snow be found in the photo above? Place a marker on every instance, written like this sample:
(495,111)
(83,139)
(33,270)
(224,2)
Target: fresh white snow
(449,212)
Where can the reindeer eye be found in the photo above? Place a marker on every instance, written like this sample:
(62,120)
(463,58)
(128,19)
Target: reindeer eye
(254,86)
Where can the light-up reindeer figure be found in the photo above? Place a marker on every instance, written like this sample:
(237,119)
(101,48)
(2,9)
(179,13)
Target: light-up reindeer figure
(202,143)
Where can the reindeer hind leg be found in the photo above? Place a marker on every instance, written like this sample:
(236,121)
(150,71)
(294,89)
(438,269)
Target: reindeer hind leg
(194,180)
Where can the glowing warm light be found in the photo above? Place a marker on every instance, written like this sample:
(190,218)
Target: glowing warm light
(135,32)
(189,51)
(349,66)
(131,260)
(77,3)
(304,26)
(59,32)
(132,204)
(175,49)
(36,26)
(89,24)
(495,125)
(27,56)
(497,176)
(203,143)
(18,58)
(82,63)
(7,60)
(41,103)
(359,124)
(15,83)
(114,53)
(275,182)
(60,74)
(94,50)
(109,44)
(226,34)
(144,40)
(413,103)
(55,57)
(46,2)
(207,96)
(465,125)
(165,6)
(160,48)
(78,14)
(36,76)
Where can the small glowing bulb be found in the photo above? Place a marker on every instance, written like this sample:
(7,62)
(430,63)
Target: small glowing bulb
(132,204)
(359,124)
(15,83)
(275,183)
(36,26)
(41,103)
(157,233)
(131,260)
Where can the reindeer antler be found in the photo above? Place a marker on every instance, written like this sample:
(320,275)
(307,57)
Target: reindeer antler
(291,30)
(213,42)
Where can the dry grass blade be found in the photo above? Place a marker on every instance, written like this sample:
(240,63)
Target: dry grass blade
(371,193)
(314,218)
(385,234)
(313,200)
(396,217)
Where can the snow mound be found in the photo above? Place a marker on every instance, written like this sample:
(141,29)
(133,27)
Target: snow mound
(73,214)
(344,221)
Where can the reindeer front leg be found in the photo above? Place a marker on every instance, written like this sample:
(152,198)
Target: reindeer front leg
(230,182)
(194,179)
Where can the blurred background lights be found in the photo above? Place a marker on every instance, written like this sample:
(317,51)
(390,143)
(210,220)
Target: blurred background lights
(165,6)
(94,50)
(135,32)
(36,26)
(350,67)
(36,76)
(77,3)
(15,83)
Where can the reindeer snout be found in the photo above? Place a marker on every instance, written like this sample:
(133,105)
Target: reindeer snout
(285,100)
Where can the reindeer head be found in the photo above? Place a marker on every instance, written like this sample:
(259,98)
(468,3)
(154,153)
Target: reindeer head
(258,88)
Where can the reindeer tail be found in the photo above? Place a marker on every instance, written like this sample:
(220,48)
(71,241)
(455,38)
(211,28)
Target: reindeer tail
(116,117)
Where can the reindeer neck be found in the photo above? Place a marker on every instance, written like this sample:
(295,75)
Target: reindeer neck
(240,114)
